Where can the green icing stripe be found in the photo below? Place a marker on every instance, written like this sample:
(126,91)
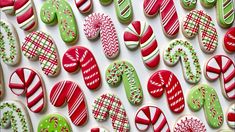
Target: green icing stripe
(225,10)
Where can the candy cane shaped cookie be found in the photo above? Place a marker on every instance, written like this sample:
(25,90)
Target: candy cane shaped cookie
(198,22)
(223,67)
(188,4)
(151,115)
(174,93)
(140,33)
(98,129)
(110,105)
(39,45)
(189,124)
(231,116)
(100,24)
(229,40)
(123,8)
(24,11)
(181,50)
(123,71)
(9,40)
(14,114)
(54,122)
(205,96)
(1,82)
(60,10)
(84,6)
(70,92)
(79,55)
(169,17)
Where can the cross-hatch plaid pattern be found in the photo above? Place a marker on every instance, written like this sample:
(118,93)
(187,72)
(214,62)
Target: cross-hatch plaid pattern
(109,104)
(40,44)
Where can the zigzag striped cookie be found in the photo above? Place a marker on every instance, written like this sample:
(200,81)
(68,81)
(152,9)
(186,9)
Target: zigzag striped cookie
(229,40)
(1,82)
(151,115)
(25,80)
(100,24)
(164,80)
(24,11)
(223,67)
(231,116)
(84,6)
(140,33)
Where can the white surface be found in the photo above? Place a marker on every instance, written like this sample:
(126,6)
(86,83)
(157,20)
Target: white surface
(133,57)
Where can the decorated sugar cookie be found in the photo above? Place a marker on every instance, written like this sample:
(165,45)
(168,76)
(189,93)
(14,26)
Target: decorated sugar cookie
(1,82)
(54,122)
(204,96)
(189,123)
(164,80)
(39,45)
(223,67)
(168,13)
(109,105)
(70,92)
(14,114)
(80,56)
(123,71)
(25,80)
(123,8)
(100,24)
(229,40)
(188,4)
(140,33)
(24,11)
(9,40)
(60,10)
(231,116)
(84,6)
(198,22)
(148,116)
(98,129)
(181,50)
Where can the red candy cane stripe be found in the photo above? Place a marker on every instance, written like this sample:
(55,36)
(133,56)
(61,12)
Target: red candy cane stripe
(70,92)
(26,80)
(141,33)
(229,40)
(81,56)
(84,6)
(221,64)
(164,79)
(151,115)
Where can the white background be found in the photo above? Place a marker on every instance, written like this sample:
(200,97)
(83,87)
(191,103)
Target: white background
(133,57)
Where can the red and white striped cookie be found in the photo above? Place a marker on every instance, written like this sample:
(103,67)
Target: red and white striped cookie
(164,80)
(100,24)
(169,17)
(1,82)
(70,92)
(140,33)
(151,115)
(24,11)
(80,56)
(83,6)
(98,129)
(25,80)
(231,116)
(229,40)
(222,66)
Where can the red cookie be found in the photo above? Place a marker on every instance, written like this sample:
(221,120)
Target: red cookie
(229,40)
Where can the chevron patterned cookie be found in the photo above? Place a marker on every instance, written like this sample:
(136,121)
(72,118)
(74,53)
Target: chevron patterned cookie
(84,6)
(1,83)
(229,40)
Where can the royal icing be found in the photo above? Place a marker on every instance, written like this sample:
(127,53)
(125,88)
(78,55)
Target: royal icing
(9,40)
(189,124)
(169,17)
(54,123)
(24,11)
(188,4)
(231,116)
(123,70)
(204,96)
(223,67)
(25,80)
(81,56)
(229,40)
(198,22)
(98,129)
(60,10)
(83,6)
(100,24)
(1,83)
(140,33)
(39,45)
(181,50)
(70,92)
(14,113)
(164,80)
(123,8)
(110,105)
(151,115)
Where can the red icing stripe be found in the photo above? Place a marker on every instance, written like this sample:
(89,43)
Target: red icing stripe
(5,3)
(19,4)
(231,116)
(29,13)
